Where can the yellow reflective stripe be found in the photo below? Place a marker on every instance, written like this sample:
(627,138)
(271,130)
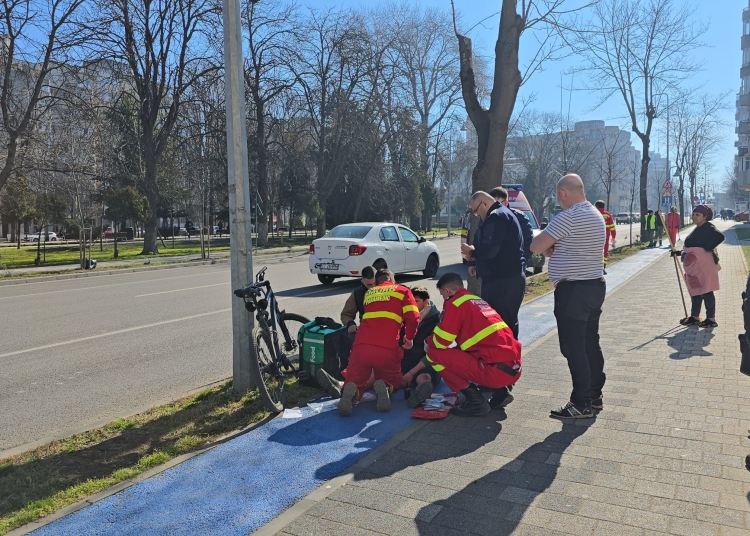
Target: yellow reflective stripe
(465,298)
(408,308)
(444,334)
(428,358)
(382,314)
(438,344)
(438,368)
(486,332)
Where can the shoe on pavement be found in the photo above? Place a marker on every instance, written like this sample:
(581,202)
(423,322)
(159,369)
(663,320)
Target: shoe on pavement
(329,384)
(420,394)
(501,398)
(708,324)
(690,320)
(475,404)
(383,393)
(346,402)
(597,404)
(571,411)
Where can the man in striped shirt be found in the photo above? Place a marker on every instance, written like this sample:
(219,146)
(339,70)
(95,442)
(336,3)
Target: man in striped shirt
(574,241)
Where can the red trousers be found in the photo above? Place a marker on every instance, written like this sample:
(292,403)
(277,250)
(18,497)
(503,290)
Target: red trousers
(606,250)
(673,235)
(461,368)
(365,360)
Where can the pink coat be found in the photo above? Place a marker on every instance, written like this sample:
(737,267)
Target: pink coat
(673,220)
(701,272)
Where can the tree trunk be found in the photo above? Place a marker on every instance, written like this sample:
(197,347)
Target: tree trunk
(117,253)
(645,159)
(321,227)
(150,247)
(18,235)
(681,193)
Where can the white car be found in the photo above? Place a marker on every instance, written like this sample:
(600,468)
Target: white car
(52,237)
(348,248)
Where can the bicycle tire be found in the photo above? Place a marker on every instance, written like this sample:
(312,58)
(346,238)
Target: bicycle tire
(293,322)
(263,370)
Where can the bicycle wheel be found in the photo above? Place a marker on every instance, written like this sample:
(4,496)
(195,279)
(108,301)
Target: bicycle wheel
(265,372)
(292,323)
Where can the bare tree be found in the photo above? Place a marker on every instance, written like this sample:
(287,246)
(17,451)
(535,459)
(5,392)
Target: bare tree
(165,45)
(607,162)
(639,49)
(37,41)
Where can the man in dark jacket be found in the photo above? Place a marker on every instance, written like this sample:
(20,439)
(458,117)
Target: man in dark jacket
(501,194)
(420,383)
(497,255)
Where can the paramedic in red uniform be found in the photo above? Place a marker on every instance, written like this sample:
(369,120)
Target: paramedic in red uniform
(472,346)
(609,224)
(376,349)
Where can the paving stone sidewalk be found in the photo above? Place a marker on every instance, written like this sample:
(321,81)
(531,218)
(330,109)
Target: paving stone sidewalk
(666,456)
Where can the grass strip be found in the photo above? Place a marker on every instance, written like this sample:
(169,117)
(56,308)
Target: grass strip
(539,285)
(39,482)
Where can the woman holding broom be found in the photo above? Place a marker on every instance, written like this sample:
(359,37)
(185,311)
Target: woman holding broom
(702,267)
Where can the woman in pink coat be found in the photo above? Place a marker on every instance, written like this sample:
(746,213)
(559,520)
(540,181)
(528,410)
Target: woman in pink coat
(702,267)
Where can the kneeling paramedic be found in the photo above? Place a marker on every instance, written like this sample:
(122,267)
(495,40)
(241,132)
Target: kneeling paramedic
(376,350)
(485,352)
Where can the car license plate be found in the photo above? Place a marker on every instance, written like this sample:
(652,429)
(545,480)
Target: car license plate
(329,266)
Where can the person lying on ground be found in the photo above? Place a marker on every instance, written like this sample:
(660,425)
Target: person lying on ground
(420,382)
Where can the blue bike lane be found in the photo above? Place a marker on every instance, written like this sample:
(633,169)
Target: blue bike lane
(242,484)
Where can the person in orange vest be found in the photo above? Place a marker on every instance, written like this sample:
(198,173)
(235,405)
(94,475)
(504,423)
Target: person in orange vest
(673,225)
(471,346)
(609,224)
(376,348)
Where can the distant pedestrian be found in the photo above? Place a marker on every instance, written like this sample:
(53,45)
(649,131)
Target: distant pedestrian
(649,228)
(574,241)
(659,233)
(673,225)
(609,224)
(702,267)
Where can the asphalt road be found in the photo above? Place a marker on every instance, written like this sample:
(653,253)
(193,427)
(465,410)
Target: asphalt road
(78,353)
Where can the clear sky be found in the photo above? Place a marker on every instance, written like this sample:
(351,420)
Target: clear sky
(721,71)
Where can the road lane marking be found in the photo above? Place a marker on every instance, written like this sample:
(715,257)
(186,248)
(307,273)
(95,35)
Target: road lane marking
(179,290)
(109,333)
(105,286)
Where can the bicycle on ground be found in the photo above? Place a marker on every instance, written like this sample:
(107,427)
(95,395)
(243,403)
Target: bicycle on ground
(274,340)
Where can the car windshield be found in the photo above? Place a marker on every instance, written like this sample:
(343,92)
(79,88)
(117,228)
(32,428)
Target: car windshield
(349,231)
(532,219)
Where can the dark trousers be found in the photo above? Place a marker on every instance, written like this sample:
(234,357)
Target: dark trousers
(505,296)
(697,301)
(578,307)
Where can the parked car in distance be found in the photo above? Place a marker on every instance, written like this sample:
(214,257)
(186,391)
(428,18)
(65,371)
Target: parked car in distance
(622,217)
(348,248)
(742,216)
(50,237)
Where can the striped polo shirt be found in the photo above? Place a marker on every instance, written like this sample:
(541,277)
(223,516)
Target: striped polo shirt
(579,251)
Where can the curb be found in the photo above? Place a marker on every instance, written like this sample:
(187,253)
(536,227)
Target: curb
(146,268)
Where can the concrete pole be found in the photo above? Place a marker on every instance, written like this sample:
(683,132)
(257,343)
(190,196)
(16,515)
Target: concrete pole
(240,239)
(450,180)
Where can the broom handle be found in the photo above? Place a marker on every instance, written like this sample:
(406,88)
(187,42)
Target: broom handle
(677,267)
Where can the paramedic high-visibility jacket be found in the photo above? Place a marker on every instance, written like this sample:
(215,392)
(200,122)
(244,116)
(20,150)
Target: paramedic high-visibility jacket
(386,307)
(376,351)
(473,344)
(609,224)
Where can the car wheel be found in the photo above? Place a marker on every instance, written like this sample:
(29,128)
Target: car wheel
(431,268)
(326,279)
(380,264)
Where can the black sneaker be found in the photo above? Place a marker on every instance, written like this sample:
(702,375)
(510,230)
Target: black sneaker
(708,324)
(597,404)
(329,384)
(383,393)
(501,398)
(690,320)
(571,411)
(420,394)
(346,402)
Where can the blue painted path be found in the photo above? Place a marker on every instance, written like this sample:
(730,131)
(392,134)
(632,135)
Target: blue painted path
(241,485)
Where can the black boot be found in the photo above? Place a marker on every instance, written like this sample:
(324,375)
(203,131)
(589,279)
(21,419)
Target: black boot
(474,405)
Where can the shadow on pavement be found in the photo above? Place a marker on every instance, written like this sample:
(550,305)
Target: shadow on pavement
(496,503)
(687,341)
